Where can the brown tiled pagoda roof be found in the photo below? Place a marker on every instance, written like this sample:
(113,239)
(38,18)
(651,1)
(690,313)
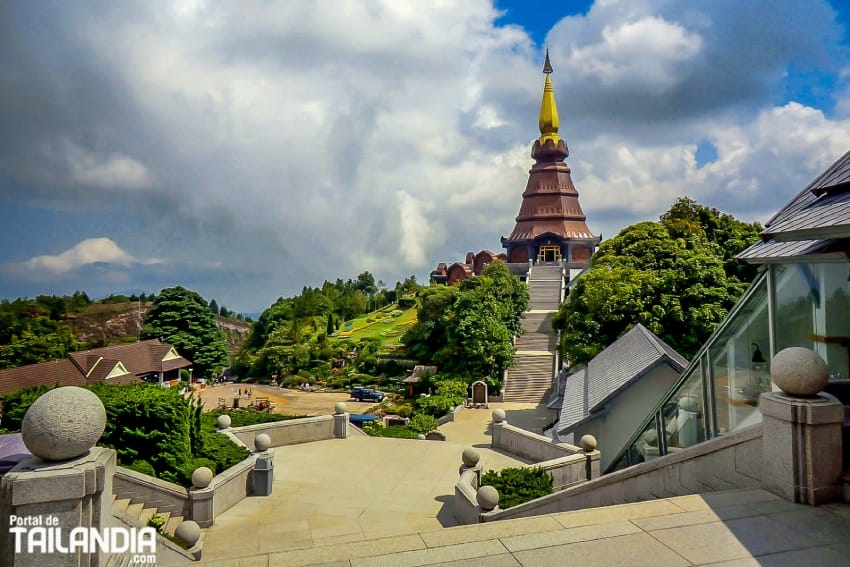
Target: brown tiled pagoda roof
(550,200)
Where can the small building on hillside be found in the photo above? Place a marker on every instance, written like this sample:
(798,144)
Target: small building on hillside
(149,361)
(608,398)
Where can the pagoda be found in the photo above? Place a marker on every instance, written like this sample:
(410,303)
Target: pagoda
(550,226)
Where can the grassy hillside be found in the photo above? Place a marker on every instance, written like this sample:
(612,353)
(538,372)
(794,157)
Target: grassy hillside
(381,324)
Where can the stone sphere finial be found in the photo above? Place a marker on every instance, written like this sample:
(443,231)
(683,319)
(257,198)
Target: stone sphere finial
(499,415)
(799,372)
(189,531)
(223,421)
(202,477)
(688,403)
(421,437)
(470,457)
(262,442)
(339,408)
(63,423)
(587,443)
(487,497)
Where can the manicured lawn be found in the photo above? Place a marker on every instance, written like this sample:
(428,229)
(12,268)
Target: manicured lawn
(384,326)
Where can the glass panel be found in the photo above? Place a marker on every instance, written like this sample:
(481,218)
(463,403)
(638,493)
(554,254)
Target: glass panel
(646,446)
(795,293)
(739,366)
(684,414)
(812,302)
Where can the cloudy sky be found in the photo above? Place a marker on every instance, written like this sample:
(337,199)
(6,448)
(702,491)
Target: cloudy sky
(246,149)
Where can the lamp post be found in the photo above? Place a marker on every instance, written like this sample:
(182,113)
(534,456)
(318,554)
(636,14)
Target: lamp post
(190,378)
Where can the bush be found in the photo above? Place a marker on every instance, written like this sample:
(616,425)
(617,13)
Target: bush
(518,485)
(16,404)
(143,467)
(246,416)
(406,302)
(154,430)
(397,313)
(422,423)
(450,394)
(377,429)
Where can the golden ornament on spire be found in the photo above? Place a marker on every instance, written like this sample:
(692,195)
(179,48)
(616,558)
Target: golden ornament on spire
(548,121)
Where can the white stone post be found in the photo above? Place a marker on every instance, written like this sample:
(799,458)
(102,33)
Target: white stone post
(340,421)
(801,431)
(67,483)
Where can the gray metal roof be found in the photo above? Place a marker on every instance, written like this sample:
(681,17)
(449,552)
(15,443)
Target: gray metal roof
(772,250)
(811,222)
(827,216)
(611,372)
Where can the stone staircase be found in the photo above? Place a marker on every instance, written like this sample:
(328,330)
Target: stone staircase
(138,514)
(530,379)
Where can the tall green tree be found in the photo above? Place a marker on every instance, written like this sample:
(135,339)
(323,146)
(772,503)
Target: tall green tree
(677,277)
(468,330)
(182,318)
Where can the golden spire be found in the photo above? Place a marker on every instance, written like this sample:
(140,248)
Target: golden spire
(548,121)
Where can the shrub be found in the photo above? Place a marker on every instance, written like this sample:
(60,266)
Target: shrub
(450,394)
(246,416)
(406,302)
(153,430)
(16,404)
(518,485)
(377,429)
(397,313)
(156,522)
(143,467)
(422,423)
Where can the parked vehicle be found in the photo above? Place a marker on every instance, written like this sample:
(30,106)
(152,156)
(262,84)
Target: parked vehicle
(367,395)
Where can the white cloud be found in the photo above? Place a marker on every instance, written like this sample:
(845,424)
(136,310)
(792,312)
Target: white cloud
(294,141)
(649,52)
(113,171)
(84,253)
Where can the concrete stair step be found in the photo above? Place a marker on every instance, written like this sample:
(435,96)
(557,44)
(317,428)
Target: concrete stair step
(171,524)
(145,515)
(135,510)
(120,505)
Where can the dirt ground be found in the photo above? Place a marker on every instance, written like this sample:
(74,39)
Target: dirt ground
(285,400)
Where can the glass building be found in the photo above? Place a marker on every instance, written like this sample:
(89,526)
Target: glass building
(801,297)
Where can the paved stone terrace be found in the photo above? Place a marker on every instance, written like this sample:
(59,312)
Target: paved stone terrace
(732,528)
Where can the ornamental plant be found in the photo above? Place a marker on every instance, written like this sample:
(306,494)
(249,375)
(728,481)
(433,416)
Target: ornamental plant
(517,485)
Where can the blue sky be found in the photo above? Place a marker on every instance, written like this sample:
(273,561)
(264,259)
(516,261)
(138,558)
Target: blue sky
(248,152)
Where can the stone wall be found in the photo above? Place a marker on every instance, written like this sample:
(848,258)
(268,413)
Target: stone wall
(728,462)
(466,509)
(529,445)
(290,432)
(232,485)
(153,492)
(451,416)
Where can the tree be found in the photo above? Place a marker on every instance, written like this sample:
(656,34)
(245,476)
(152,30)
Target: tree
(670,276)
(468,330)
(214,306)
(366,283)
(182,318)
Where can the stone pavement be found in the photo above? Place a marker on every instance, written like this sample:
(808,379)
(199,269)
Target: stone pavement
(345,490)
(740,528)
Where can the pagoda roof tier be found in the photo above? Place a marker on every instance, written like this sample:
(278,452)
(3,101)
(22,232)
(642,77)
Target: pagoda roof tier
(550,202)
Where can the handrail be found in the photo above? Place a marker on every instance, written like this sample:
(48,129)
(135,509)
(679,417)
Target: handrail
(695,361)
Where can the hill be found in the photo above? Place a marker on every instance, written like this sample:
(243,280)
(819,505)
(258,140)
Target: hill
(102,324)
